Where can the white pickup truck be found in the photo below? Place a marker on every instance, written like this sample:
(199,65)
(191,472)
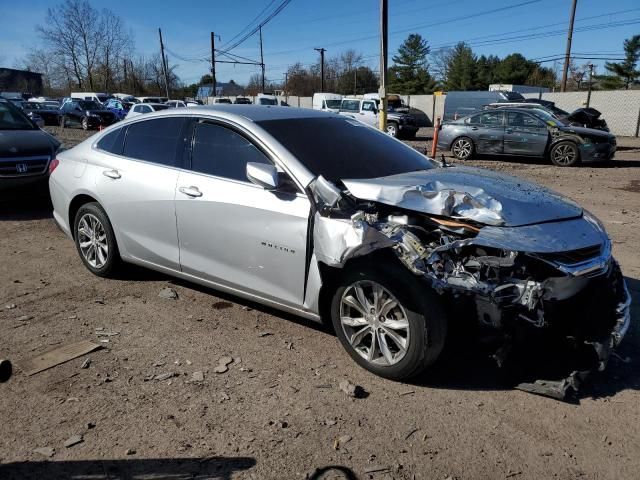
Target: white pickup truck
(366,111)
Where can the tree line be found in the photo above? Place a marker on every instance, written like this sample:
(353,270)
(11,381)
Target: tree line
(84,48)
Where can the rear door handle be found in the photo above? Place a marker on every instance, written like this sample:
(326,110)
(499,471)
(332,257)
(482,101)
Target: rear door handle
(474,128)
(191,191)
(114,174)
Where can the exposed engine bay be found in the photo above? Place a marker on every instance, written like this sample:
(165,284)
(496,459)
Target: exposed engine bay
(513,284)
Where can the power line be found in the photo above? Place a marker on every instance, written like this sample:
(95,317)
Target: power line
(271,16)
(249,24)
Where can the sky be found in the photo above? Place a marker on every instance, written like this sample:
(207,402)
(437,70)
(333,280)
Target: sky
(535,28)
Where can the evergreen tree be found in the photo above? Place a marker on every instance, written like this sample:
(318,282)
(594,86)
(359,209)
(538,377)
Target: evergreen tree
(462,70)
(486,69)
(409,74)
(625,73)
(514,69)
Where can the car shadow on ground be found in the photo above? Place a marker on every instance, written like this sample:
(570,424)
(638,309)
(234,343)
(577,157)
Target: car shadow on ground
(27,204)
(214,468)
(467,365)
(615,163)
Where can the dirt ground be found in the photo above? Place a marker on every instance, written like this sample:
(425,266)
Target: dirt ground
(278,411)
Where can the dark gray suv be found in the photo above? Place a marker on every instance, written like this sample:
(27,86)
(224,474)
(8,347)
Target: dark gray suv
(527,132)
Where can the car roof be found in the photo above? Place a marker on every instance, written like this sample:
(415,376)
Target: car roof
(254,113)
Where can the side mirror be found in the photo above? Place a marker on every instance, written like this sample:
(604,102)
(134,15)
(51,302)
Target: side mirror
(266,176)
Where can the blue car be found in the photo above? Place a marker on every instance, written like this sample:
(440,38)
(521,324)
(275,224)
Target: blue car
(118,107)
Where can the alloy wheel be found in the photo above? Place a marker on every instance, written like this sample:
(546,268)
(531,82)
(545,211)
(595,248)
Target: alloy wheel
(92,240)
(85,124)
(462,148)
(374,323)
(392,130)
(564,155)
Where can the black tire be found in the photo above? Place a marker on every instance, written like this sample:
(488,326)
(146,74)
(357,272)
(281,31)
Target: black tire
(393,129)
(463,148)
(565,154)
(427,325)
(112,261)
(85,123)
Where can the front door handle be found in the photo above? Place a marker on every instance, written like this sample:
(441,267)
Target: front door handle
(191,191)
(474,128)
(113,174)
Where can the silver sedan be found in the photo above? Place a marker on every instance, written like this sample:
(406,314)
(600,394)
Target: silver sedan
(325,217)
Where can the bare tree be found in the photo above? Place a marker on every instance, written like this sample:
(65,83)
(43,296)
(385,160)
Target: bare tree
(440,61)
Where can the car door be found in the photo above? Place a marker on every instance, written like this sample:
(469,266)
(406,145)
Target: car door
(486,129)
(525,135)
(233,232)
(71,112)
(369,113)
(136,180)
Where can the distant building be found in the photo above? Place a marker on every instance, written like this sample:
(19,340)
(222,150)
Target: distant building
(12,80)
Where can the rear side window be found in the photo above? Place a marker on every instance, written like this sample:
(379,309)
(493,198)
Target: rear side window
(488,119)
(220,151)
(155,140)
(112,142)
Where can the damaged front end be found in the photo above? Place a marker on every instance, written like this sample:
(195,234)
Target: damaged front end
(523,284)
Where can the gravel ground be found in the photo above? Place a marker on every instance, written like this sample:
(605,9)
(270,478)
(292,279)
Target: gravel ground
(277,411)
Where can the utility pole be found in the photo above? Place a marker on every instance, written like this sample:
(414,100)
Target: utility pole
(567,56)
(164,65)
(321,50)
(214,84)
(384,37)
(261,59)
(355,81)
(589,92)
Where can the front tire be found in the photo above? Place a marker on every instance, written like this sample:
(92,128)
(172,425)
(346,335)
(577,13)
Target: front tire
(388,320)
(392,129)
(462,148)
(95,240)
(565,154)
(85,123)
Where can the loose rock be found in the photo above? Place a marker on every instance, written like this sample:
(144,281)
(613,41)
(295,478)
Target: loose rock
(197,377)
(225,360)
(164,376)
(45,451)
(221,369)
(73,440)
(168,293)
(130,451)
(354,391)
(86,363)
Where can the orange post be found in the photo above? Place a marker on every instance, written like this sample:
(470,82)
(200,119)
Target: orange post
(434,144)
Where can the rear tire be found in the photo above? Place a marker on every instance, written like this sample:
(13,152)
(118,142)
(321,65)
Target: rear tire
(393,129)
(406,326)
(565,154)
(463,148)
(95,240)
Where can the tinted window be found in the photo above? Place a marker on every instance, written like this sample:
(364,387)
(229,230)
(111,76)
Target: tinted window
(343,148)
(488,119)
(12,118)
(518,119)
(222,152)
(154,140)
(112,141)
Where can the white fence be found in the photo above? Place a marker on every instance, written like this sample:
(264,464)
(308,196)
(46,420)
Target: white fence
(620,108)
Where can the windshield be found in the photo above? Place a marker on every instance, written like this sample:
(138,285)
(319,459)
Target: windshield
(33,106)
(12,118)
(268,101)
(350,105)
(342,148)
(103,98)
(160,107)
(333,103)
(89,105)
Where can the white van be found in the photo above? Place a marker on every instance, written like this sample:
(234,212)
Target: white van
(329,102)
(93,96)
(266,99)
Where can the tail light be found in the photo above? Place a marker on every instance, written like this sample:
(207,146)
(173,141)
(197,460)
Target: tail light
(53,165)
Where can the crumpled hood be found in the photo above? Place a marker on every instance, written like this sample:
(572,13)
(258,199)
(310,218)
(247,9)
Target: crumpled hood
(470,193)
